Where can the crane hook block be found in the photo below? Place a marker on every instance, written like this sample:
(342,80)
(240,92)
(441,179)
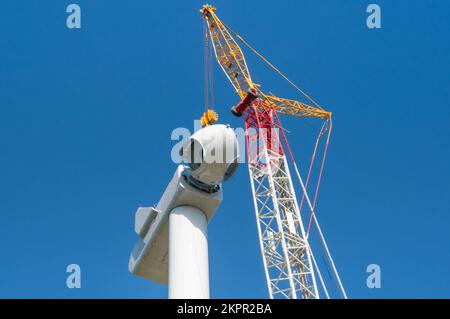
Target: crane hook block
(244,103)
(209,117)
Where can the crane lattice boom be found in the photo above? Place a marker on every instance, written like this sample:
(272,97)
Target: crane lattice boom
(289,263)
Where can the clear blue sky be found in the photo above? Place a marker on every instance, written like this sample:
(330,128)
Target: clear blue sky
(87,116)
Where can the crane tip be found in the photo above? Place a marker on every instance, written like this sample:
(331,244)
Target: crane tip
(207,8)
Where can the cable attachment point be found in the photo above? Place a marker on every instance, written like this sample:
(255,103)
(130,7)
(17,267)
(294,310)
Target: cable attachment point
(209,117)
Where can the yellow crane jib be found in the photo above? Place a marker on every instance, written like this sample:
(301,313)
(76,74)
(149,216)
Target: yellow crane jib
(231,59)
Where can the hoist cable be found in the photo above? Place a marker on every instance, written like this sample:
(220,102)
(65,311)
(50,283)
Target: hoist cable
(320,175)
(313,157)
(205,67)
(208,71)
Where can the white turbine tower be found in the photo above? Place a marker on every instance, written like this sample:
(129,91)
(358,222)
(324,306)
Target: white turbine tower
(173,244)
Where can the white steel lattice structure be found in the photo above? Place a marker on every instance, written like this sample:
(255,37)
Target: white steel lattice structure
(286,253)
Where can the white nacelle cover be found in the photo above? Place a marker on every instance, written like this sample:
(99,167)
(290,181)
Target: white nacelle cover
(212,154)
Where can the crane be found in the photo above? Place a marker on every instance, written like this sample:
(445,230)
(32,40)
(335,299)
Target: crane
(291,269)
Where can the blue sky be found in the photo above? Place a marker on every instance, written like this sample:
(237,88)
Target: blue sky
(87,117)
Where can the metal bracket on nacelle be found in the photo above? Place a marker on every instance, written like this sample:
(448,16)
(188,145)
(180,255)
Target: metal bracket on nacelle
(143,219)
